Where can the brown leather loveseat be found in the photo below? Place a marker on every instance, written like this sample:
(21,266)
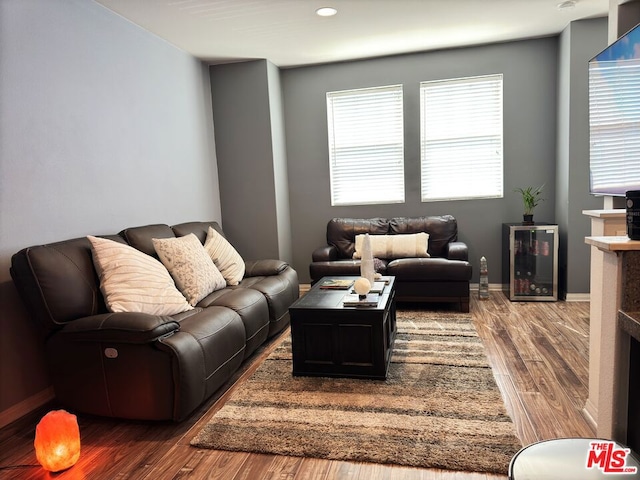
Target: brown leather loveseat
(138,365)
(441,277)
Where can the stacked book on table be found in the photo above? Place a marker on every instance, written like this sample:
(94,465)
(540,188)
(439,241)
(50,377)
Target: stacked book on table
(378,287)
(337,284)
(354,300)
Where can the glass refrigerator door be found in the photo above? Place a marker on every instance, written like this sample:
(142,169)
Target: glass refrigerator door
(534,263)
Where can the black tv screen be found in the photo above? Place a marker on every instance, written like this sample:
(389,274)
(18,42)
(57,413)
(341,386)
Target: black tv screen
(614,117)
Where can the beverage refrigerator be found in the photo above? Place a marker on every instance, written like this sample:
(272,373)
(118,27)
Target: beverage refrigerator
(530,261)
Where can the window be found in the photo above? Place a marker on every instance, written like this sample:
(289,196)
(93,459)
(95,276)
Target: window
(366,146)
(461,138)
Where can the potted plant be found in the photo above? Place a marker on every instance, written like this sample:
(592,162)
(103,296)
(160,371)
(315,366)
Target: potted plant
(531,196)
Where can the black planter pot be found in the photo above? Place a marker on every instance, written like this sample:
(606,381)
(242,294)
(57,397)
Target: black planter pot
(527,219)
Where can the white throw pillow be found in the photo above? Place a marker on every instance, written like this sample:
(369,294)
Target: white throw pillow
(411,245)
(226,258)
(132,281)
(190,266)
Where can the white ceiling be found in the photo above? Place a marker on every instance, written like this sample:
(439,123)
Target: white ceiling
(289,33)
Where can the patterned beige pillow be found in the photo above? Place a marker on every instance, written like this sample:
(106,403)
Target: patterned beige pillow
(410,245)
(226,258)
(190,266)
(132,281)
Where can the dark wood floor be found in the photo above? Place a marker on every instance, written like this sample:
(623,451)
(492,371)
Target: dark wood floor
(539,353)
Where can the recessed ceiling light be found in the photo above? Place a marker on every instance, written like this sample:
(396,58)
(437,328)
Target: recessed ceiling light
(567,4)
(326,11)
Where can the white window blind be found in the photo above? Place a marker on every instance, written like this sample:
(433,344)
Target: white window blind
(366,146)
(614,124)
(461,138)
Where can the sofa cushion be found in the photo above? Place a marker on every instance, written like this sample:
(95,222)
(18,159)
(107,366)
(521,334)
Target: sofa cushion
(429,269)
(395,246)
(252,308)
(341,232)
(226,258)
(280,291)
(132,281)
(190,266)
(442,229)
(211,344)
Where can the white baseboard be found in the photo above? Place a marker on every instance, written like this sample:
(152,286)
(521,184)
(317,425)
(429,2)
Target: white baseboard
(493,287)
(20,409)
(473,287)
(578,297)
(590,413)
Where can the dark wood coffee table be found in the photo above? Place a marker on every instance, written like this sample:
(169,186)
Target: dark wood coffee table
(329,339)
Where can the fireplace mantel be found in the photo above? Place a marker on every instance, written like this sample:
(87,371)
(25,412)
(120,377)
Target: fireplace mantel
(609,222)
(615,268)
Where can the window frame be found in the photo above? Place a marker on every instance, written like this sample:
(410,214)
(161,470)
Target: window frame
(377,139)
(483,137)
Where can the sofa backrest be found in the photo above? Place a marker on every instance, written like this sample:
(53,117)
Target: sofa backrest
(341,232)
(442,229)
(58,282)
(199,229)
(140,238)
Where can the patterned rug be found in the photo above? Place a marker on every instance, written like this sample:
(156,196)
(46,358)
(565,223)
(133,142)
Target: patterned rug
(438,408)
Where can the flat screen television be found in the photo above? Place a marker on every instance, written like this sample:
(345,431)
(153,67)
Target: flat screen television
(614,117)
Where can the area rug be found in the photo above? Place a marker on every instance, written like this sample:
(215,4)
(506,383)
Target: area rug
(439,407)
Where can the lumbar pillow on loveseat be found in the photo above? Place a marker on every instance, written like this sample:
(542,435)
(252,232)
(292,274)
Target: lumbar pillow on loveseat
(143,324)
(414,245)
(428,261)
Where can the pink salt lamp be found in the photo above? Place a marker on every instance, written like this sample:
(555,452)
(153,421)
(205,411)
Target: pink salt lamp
(57,441)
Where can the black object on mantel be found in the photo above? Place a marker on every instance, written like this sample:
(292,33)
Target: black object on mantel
(633,214)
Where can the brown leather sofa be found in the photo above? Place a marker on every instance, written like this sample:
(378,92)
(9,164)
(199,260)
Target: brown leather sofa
(137,365)
(444,277)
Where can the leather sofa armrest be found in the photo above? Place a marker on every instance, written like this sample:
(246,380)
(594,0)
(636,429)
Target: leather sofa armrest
(122,327)
(457,251)
(325,253)
(264,268)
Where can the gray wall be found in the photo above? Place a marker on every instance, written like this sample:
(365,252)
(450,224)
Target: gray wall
(252,158)
(281,179)
(578,43)
(530,104)
(102,126)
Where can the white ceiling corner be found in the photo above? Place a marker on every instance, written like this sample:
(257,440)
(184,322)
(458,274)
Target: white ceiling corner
(289,33)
